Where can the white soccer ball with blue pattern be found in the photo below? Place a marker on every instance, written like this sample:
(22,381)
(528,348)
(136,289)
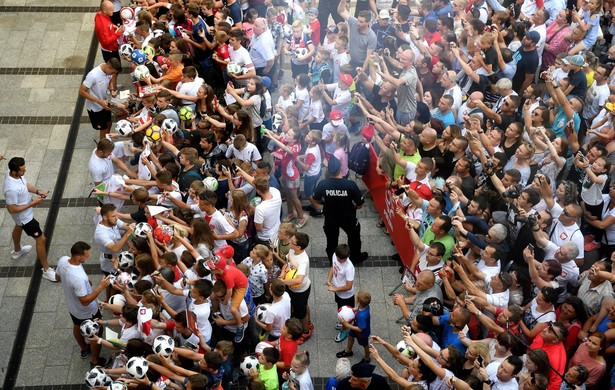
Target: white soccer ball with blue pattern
(404,348)
(117,386)
(126,50)
(89,328)
(141,72)
(233,68)
(169,125)
(137,367)
(300,52)
(163,346)
(96,377)
(126,260)
(142,229)
(261,311)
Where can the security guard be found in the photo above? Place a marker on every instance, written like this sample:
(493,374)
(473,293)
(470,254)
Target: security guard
(341,199)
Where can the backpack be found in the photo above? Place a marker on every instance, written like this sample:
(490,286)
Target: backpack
(358,159)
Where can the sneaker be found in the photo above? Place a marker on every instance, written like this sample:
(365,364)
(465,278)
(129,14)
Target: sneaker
(341,336)
(24,249)
(592,246)
(50,274)
(305,336)
(343,353)
(86,353)
(316,213)
(338,326)
(302,221)
(102,362)
(239,335)
(289,217)
(589,238)
(311,327)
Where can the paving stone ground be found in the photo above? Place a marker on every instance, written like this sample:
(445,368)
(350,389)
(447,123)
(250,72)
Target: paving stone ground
(33,40)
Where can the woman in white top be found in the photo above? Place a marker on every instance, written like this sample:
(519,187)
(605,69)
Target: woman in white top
(539,312)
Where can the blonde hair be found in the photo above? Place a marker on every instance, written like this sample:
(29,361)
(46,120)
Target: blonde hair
(288,228)
(261,251)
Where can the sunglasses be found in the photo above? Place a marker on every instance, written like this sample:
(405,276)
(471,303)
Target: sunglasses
(443,358)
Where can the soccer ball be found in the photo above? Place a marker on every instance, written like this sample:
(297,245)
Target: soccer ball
(134,278)
(261,311)
(154,134)
(169,125)
(230,21)
(157,33)
(126,50)
(126,259)
(127,13)
(291,275)
(89,328)
(404,348)
(141,72)
(142,228)
(256,201)
(137,367)
(249,362)
(117,300)
(233,68)
(300,52)
(117,386)
(346,313)
(163,346)
(186,113)
(210,183)
(124,278)
(261,346)
(123,127)
(138,56)
(96,377)
(148,50)
(163,234)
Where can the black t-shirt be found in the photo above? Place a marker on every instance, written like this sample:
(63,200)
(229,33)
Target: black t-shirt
(491,57)
(527,63)
(434,152)
(377,102)
(340,197)
(139,215)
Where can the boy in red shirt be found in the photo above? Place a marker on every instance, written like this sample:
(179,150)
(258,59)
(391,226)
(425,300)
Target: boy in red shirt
(236,285)
(288,343)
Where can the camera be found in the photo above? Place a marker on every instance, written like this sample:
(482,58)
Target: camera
(433,307)
(511,193)
(530,219)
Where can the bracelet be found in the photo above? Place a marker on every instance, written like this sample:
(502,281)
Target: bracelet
(107,323)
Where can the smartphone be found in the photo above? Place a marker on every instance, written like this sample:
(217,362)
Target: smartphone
(400,191)
(531,247)
(191,346)
(480,360)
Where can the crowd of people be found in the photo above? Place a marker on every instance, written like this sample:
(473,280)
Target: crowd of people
(492,122)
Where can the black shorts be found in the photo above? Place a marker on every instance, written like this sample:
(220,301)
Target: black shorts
(299,303)
(100,120)
(78,322)
(344,302)
(33,229)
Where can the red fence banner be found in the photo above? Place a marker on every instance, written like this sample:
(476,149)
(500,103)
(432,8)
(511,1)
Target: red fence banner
(386,204)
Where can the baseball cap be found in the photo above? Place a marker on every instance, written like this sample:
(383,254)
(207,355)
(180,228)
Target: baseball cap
(533,36)
(313,11)
(368,131)
(384,14)
(504,84)
(333,29)
(576,60)
(226,251)
(266,82)
(346,79)
(336,117)
(334,166)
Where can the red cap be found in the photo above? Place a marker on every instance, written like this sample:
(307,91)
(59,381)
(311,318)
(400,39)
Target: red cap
(422,190)
(226,252)
(368,131)
(335,115)
(346,79)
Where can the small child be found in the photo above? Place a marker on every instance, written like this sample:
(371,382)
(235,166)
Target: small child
(591,193)
(328,43)
(258,272)
(311,163)
(267,372)
(314,24)
(561,68)
(212,368)
(281,245)
(290,176)
(341,151)
(361,329)
(222,56)
(288,343)
(302,95)
(226,349)
(287,96)
(340,281)
(320,69)
(488,58)
(172,71)
(341,94)
(340,56)
(315,117)
(300,372)
(278,312)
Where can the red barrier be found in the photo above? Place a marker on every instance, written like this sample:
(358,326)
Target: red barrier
(386,204)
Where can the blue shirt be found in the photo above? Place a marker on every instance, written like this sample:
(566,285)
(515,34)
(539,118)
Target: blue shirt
(448,337)
(362,320)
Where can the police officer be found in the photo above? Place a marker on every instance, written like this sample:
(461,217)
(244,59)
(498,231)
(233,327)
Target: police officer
(341,199)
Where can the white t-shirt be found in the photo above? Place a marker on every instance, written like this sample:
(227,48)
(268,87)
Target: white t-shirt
(176,302)
(101,169)
(301,263)
(225,310)
(492,372)
(130,333)
(609,232)
(343,273)
(562,234)
(314,168)
(267,213)
(490,271)
(304,95)
(97,83)
(190,88)
(202,318)
(541,318)
(277,314)
(104,236)
(221,226)
(76,284)
(249,153)
(342,98)
(241,56)
(16,193)
(497,299)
